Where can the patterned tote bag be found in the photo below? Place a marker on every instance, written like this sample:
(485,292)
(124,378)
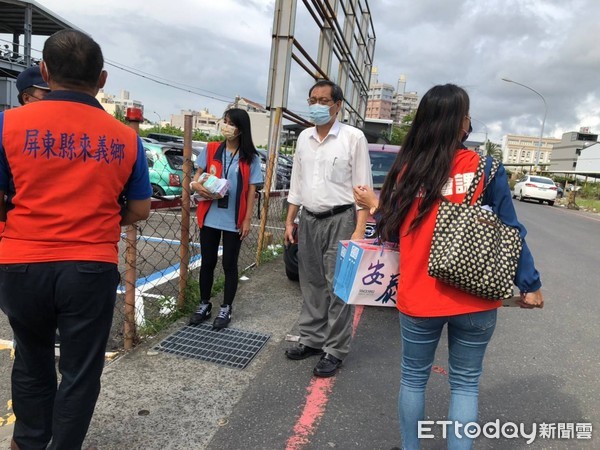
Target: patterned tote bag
(472,249)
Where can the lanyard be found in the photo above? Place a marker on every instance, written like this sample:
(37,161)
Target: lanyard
(230,161)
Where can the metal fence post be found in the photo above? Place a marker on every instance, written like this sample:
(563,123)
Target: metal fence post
(272,154)
(184,246)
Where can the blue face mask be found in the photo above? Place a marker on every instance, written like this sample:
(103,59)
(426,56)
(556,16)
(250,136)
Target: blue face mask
(319,114)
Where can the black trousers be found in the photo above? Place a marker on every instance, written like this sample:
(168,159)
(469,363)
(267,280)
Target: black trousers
(77,298)
(210,239)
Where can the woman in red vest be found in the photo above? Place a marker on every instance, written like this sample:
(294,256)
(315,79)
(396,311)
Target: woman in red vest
(434,164)
(227,217)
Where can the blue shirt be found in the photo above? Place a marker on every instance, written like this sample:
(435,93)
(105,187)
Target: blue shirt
(498,197)
(224,218)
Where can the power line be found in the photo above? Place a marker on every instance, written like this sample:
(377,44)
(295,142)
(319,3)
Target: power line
(167,84)
(157,79)
(116,63)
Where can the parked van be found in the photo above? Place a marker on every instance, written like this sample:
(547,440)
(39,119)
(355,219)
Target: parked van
(162,137)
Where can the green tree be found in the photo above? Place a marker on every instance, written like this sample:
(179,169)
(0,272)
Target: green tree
(492,149)
(120,115)
(399,132)
(170,129)
(199,136)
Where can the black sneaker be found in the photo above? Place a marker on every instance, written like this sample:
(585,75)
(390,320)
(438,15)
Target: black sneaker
(202,313)
(223,318)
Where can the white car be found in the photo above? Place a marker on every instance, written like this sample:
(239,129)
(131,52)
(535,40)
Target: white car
(537,188)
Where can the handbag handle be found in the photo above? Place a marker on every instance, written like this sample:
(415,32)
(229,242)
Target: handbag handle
(475,182)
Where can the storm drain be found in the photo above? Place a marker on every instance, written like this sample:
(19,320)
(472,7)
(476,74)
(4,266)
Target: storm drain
(229,346)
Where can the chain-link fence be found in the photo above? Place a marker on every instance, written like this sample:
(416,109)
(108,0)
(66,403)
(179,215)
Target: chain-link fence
(157,247)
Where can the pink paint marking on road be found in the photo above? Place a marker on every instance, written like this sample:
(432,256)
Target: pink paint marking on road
(317,397)
(358,310)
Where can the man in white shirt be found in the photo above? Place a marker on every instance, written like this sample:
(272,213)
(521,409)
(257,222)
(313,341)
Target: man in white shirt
(330,160)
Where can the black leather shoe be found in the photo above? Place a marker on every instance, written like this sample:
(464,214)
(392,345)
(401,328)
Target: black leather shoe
(327,366)
(302,351)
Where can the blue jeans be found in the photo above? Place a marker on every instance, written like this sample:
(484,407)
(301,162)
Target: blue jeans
(468,337)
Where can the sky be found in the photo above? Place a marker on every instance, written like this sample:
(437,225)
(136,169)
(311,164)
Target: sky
(221,48)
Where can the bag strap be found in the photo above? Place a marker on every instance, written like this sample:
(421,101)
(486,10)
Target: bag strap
(482,170)
(474,182)
(491,168)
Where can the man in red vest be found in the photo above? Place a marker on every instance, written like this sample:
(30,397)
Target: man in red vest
(64,163)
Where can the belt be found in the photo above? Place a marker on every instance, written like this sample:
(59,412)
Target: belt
(330,212)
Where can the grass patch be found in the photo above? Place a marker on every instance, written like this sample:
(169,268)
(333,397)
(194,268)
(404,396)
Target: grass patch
(165,312)
(271,252)
(588,203)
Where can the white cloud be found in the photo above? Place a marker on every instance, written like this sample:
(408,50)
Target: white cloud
(224,47)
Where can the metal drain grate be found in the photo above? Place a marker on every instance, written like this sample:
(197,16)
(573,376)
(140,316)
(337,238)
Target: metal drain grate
(229,346)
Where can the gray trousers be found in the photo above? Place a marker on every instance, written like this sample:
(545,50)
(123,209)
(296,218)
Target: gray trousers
(325,321)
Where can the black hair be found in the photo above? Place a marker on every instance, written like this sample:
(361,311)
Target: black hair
(424,162)
(73,59)
(336,92)
(241,120)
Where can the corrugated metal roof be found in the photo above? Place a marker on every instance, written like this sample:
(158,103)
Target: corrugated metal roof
(44,21)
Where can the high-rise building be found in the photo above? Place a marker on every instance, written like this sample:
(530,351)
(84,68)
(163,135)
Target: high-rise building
(404,104)
(401,86)
(379,103)
(385,103)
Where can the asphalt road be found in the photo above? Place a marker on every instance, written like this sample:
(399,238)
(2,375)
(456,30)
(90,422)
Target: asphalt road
(542,366)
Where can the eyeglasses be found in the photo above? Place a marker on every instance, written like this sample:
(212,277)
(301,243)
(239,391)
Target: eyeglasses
(320,101)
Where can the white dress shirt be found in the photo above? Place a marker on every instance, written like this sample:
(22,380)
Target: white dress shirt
(325,172)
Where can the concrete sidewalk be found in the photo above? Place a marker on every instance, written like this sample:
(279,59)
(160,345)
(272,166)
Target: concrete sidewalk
(153,400)
(541,368)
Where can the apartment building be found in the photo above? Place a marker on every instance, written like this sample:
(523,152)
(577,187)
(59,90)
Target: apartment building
(385,103)
(202,121)
(112,103)
(379,103)
(404,104)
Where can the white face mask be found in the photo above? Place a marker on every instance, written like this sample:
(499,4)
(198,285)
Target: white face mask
(319,114)
(229,131)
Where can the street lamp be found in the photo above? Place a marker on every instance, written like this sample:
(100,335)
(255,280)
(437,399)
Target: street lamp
(537,158)
(484,126)
(159,120)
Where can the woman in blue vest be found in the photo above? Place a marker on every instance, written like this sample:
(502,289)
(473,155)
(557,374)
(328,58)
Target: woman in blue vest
(227,217)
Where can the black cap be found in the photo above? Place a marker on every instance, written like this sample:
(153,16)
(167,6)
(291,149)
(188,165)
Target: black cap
(31,77)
